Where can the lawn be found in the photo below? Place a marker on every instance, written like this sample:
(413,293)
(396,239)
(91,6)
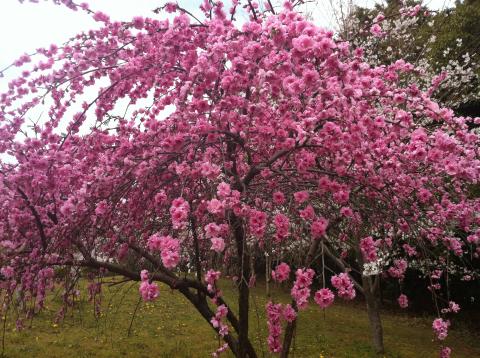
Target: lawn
(170,327)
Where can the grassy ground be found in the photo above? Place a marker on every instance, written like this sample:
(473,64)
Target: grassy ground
(170,327)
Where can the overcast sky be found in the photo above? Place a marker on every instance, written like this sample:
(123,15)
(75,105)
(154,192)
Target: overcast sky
(25,27)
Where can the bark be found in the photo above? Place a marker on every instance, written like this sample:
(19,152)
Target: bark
(288,337)
(243,289)
(371,292)
(202,307)
(267,275)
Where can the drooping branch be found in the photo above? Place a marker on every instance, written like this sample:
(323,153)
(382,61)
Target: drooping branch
(38,220)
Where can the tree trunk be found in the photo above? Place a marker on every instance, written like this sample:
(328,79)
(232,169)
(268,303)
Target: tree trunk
(267,275)
(371,291)
(288,337)
(244,347)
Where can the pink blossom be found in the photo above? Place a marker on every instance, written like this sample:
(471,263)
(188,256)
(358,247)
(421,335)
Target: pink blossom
(281,272)
(170,7)
(282,225)
(318,228)
(344,286)
(398,269)
(144,275)
(217,320)
(210,170)
(368,249)
(376,30)
(215,207)
(301,289)
(278,198)
(324,297)
(138,22)
(289,313)
(7,272)
(347,212)
(213,230)
(402,301)
(301,196)
(303,43)
(258,221)
(409,250)
(274,315)
(440,327)
(148,291)
(169,248)
(101,208)
(179,212)
(101,17)
(341,196)
(211,277)
(445,352)
(308,213)
(218,244)
(424,195)
(452,308)
(223,190)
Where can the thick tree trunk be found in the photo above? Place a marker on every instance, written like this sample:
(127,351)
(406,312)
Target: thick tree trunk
(244,346)
(371,291)
(287,340)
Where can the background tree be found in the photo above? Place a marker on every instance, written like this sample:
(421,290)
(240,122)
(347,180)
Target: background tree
(437,42)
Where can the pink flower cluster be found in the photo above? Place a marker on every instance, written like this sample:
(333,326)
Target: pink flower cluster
(179,213)
(301,288)
(215,207)
(168,247)
(216,233)
(301,196)
(281,272)
(318,228)
(368,249)
(440,327)
(452,308)
(376,30)
(216,230)
(344,286)
(445,352)
(211,278)
(308,213)
(289,314)
(282,226)
(278,198)
(258,222)
(223,190)
(209,170)
(324,297)
(409,250)
(216,321)
(402,301)
(398,269)
(218,244)
(148,290)
(7,272)
(274,315)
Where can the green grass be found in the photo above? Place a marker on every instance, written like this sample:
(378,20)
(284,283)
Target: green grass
(170,327)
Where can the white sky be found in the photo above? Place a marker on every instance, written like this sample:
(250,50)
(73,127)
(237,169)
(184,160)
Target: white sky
(26,27)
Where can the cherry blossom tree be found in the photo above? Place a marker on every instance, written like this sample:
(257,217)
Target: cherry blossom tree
(206,142)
